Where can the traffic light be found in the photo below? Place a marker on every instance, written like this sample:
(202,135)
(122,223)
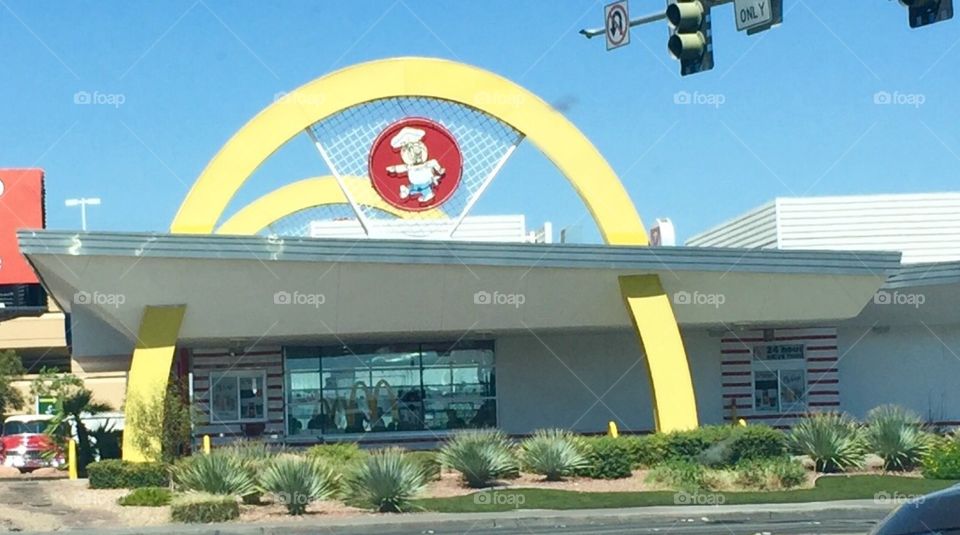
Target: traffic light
(691,40)
(923,12)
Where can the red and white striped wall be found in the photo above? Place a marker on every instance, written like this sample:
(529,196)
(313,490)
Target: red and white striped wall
(205,361)
(823,380)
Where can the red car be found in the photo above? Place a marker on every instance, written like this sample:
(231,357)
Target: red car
(25,446)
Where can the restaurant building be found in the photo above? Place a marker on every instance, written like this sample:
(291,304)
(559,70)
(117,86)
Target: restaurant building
(366,305)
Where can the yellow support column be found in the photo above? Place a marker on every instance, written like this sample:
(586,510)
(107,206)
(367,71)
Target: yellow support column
(674,402)
(150,367)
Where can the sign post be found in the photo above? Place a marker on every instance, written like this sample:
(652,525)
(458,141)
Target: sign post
(617,24)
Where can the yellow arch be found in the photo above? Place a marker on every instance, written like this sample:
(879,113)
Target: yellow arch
(308,193)
(549,130)
(559,140)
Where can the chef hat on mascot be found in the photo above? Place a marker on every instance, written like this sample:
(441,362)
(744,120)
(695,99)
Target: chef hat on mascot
(407,135)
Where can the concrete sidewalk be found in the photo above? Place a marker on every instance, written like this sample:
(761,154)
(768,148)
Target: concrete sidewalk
(536,519)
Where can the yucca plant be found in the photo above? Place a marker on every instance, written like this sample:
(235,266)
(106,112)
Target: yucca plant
(297,481)
(553,453)
(254,455)
(219,472)
(834,441)
(897,435)
(386,481)
(481,456)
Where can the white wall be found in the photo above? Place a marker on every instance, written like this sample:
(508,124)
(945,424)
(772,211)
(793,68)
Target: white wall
(909,366)
(554,380)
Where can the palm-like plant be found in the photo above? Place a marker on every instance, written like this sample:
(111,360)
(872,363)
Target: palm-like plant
(298,481)
(897,436)
(219,472)
(73,402)
(386,481)
(481,456)
(553,453)
(833,441)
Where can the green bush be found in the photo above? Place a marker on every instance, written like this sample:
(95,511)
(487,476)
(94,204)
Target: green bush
(756,442)
(147,497)
(117,474)
(553,453)
(834,441)
(942,461)
(481,456)
(607,458)
(428,462)
(647,450)
(219,472)
(770,474)
(386,481)
(338,454)
(897,436)
(680,474)
(298,481)
(203,507)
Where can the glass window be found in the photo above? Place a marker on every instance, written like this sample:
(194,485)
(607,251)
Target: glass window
(237,396)
(400,387)
(779,378)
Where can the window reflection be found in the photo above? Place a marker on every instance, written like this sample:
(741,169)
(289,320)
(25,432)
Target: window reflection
(370,388)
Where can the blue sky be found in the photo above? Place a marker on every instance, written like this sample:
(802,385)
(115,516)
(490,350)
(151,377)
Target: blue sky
(791,111)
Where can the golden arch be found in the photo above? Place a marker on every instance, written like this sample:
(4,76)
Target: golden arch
(575,157)
(303,194)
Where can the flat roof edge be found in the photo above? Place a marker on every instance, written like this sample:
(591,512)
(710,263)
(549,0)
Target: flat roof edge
(572,256)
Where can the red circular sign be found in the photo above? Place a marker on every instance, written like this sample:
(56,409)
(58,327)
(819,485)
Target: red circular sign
(415,164)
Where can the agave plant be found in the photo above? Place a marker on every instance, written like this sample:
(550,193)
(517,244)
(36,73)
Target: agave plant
(553,453)
(386,481)
(481,456)
(833,441)
(254,455)
(297,481)
(897,436)
(219,472)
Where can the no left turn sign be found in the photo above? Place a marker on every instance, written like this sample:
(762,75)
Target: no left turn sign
(616,18)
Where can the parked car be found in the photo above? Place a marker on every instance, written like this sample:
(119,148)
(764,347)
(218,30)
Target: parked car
(25,445)
(936,513)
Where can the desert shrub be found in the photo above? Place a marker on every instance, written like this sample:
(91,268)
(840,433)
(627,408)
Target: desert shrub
(337,453)
(298,481)
(481,456)
(942,461)
(254,456)
(679,474)
(897,436)
(607,458)
(387,481)
(428,462)
(147,497)
(834,441)
(553,453)
(117,474)
(204,508)
(770,474)
(219,472)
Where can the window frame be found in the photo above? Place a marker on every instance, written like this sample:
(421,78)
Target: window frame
(777,367)
(236,375)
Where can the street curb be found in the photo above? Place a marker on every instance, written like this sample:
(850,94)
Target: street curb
(384,524)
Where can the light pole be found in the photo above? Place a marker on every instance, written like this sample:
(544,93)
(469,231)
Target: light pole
(82,203)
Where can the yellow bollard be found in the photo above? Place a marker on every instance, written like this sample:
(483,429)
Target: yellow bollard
(206,444)
(72,459)
(612,429)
